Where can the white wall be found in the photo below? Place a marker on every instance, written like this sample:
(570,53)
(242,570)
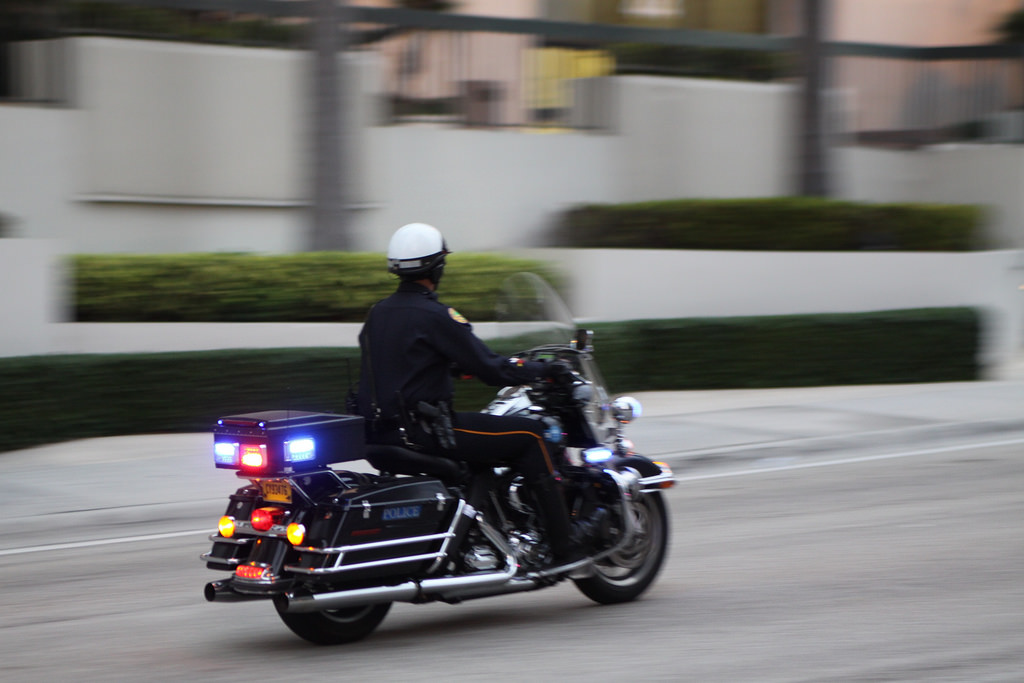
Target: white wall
(701,138)
(484,189)
(172,147)
(32,296)
(189,122)
(989,175)
(36,162)
(179,147)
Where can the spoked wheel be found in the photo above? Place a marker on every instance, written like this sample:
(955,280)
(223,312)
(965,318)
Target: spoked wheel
(336,626)
(625,574)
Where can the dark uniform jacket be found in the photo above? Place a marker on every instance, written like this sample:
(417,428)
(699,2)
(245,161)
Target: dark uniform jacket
(411,343)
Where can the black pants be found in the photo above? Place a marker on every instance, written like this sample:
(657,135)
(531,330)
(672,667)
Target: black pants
(515,442)
(495,440)
(519,443)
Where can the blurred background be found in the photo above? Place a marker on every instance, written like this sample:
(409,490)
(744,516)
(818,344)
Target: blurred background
(168,125)
(195,198)
(291,126)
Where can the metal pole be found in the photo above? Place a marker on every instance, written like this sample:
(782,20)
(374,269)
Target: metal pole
(813,169)
(330,229)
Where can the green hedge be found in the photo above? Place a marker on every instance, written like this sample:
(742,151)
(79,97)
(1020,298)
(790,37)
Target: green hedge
(54,398)
(104,18)
(133,19)
(307,287)
(701,62)
(884,347)
(772,224)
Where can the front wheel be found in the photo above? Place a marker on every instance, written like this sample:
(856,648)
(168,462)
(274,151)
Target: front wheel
(336,626)
(626,573)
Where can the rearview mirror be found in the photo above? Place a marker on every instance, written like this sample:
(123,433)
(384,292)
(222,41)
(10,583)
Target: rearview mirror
(625,409)
(583,340)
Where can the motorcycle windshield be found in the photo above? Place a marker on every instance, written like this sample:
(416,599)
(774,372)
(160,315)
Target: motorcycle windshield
(532,314)
(538,324)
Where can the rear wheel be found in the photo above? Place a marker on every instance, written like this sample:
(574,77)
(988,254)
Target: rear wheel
(336,626)
(625,574)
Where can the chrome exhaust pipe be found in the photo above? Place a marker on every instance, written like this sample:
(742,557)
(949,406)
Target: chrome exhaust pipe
(455,586)
(292,603)
(223,591)
(447,588)
(517,585)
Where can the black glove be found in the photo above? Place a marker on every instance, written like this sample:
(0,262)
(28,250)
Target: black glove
(559,372)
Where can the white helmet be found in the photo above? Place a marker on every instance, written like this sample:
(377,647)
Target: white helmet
(417,250)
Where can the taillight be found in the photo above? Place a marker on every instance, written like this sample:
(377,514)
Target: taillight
(264,518)
(253,456)
(249,571)
(238,454)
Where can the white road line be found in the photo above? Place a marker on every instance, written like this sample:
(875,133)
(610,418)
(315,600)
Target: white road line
(697,477)
(99,542)
(850,461)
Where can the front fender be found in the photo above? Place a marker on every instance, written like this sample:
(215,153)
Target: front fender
(653,475)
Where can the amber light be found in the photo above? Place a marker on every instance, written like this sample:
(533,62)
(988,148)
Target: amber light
(667,470)
(296,533)
(264,518)
(226,526)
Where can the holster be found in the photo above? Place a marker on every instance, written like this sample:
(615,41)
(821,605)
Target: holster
(436,420)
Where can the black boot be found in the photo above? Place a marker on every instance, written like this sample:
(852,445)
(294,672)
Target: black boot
(561,534)
(593,530)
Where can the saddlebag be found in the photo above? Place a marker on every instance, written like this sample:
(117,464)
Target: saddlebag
(390,527)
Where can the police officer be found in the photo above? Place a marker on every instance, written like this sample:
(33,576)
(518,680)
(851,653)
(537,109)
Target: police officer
(410,344)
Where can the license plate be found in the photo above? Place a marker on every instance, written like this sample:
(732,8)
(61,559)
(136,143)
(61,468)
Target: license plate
(277,491)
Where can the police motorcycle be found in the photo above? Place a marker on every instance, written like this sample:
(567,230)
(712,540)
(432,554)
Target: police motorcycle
(333,548)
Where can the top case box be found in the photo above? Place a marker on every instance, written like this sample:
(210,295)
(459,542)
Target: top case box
(288,440)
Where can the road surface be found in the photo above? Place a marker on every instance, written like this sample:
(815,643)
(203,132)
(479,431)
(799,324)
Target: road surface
(883,565)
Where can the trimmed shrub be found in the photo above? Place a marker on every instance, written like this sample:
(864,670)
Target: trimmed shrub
(307,287)
(772,224)
(701,62)
(884,347)
(52,398)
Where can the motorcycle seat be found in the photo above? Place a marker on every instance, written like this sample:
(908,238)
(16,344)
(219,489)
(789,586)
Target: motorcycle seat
(398,460)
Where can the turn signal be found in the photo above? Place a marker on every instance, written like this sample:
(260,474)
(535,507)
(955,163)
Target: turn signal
(226,526)
(264,518)
(296,533)
(666,470)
